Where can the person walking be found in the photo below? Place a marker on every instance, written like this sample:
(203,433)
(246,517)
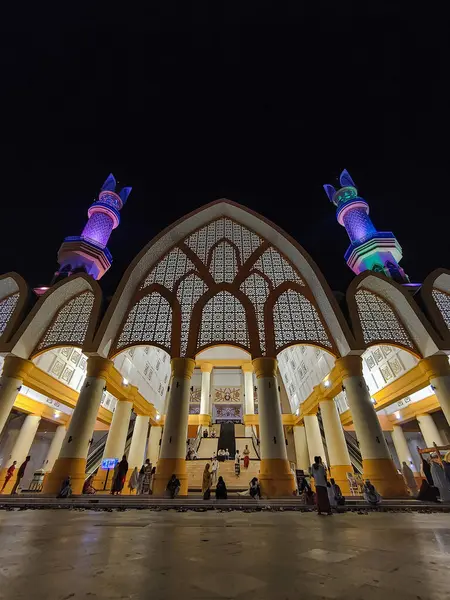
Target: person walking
(214,470)
(119,481)
(133,481)
(319,474)
(9,474)
(20,474)
(206,483)
(246,453)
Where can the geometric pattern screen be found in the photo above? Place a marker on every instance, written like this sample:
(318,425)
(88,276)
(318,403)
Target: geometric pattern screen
(378,321)
(70,324)
(7,306)
(443,303)
(224,248)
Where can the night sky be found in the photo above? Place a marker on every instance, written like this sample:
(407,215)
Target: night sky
(258,102)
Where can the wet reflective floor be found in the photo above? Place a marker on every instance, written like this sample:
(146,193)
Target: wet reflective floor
(60,555)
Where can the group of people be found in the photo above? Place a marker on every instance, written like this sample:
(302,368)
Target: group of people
(436,482)
(20,473)
(206,433)
(223,454)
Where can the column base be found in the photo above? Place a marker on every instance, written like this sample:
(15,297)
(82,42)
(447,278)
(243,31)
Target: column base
(339,474)
(275,478)
(165,468)
(383,475)
(75,467)
(100,478)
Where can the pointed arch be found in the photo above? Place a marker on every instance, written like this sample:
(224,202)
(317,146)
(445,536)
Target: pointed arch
(435,294)
(382,311)
(13,298)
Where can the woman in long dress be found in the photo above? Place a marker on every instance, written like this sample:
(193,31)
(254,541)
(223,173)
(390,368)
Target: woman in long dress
(206,482)
(146,477)
(371,496)
(410,481)
(237,463)
(214,471)
(440,480)
(246,453)
(133,482)
(119,480)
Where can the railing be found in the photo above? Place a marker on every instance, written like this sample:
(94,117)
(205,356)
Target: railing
(95,455)
(352,446)
(255,442)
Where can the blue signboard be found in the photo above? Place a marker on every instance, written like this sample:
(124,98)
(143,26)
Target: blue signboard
(109,463)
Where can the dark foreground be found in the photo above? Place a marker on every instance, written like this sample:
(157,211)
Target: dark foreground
(58,555)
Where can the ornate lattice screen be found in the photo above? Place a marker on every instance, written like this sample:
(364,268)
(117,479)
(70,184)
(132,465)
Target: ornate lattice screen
(296,320)
(443,303)
(7,306)
(149,321)
(70,323)
(223,320)
(379,322)
(256,289)
(188,293)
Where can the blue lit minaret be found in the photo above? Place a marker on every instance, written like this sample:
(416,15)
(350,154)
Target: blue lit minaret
(88,252)
(369,249)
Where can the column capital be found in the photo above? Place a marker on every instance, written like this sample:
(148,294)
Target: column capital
(265,367)
(16,367)
(247,367)
(99,367)
(182,367)
(206,367)
(349,366)
(435,366)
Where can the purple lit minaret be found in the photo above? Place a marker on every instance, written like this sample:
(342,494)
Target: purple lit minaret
(88,253)
(369,249)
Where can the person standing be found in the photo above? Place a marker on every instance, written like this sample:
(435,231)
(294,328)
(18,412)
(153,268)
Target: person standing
(133,481)
(20,474)
(119,481)
(237,463)
(9,474)
(320,479)
(221,490)
(214,470)
(246,453)
(206,483)
(410,481)
(145,475)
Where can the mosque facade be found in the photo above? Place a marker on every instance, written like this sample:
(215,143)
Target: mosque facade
(224,321)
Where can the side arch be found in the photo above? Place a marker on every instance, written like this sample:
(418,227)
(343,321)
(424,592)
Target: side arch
(435,295)
(13,300)
(44,316)
(376,303)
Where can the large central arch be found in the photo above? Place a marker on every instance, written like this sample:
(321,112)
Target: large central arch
(223,274)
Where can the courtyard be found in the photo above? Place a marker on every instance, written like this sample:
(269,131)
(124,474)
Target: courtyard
(62,554)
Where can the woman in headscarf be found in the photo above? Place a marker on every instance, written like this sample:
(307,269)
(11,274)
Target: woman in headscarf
(133,481)
(440,479)
(66,488)
(221,489)
(246,453)
(206,483)
(410,481)
(88,487)
(320,479)
(371,496)
(146,477)
(426,468)
(119,481)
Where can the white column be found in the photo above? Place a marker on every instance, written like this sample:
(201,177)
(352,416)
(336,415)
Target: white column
(138,441)
(55,448)
(25,439)
(338,456)
(153,446)
(14,370)
(205,404)
(247,369)
(301,448)
(401,447)
(275,474)
(441,386)
(72,458)
(437,369)
(314,438)
(429,430)
(172,459)
(378,465)
(117,436)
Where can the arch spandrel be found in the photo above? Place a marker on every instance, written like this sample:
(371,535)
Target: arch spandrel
(383,312)
(253,254)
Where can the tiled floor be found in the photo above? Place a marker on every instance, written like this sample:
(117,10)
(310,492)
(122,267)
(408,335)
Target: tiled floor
(60,555)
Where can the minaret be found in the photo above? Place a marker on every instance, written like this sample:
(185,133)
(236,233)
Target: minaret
(369,249)
(88,253)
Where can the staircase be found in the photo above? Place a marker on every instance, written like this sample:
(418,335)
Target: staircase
(352,446)
(94,459)
(227,438)
(195,470)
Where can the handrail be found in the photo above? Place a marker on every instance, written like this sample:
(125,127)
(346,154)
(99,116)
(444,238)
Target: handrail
(255,442)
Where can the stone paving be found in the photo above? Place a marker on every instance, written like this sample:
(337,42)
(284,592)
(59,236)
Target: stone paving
(60,555)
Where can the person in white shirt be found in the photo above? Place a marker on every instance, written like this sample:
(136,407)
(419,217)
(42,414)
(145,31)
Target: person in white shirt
(320,479)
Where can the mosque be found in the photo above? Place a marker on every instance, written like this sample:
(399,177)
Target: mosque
(223,321)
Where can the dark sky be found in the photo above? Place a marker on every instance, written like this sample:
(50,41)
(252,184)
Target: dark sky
(255,101)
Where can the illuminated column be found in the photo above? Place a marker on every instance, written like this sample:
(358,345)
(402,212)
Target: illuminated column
(429,430)
(205,410)
(172,459)
(401,447)
(437,369)
(154,443)
(138,441)
(247,368)
(275,475)
(116,440)
(72,458)
(377,462)
(55,448)
(314,438)
(14,371)
(21,449)
(301,448)
(338,456)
